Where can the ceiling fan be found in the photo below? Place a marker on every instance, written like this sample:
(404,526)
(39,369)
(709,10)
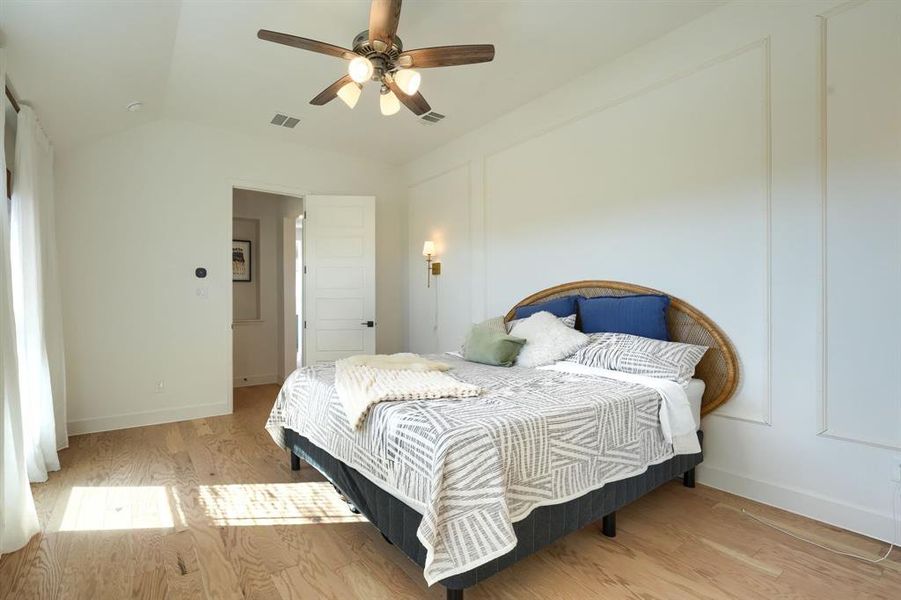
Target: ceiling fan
(378,55)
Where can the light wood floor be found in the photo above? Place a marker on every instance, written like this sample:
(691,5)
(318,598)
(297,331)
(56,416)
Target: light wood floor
(210,509)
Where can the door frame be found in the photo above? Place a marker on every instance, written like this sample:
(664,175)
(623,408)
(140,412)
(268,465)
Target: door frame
(253,186)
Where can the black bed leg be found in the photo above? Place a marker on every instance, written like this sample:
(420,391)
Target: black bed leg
(688,478)
(454,594)
(295,462)
(608,525)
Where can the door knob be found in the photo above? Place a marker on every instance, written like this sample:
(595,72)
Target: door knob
(368,323)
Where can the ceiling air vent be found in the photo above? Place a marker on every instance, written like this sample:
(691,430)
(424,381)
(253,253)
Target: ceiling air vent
(285,121)
(431,118)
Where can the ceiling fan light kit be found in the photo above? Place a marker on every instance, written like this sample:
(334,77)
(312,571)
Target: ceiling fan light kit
(408,80)
(388,103)
(378,56)
(360,69)
(350,93)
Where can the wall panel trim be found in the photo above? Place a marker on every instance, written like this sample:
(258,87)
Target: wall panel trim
(824,427)
(766,408)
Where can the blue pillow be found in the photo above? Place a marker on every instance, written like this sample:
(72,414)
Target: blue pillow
(559,307)
(636,315)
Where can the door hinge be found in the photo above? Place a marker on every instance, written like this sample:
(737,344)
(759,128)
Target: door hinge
(304,269)
(304,324)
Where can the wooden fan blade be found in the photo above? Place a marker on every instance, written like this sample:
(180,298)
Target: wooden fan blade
(446,56)
(383,18)
(305,44)
(331,92)
(416,102)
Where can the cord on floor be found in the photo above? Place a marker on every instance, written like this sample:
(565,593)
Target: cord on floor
(872,561)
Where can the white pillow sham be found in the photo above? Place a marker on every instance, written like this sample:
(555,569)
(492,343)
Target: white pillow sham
(569,321)
(640,356)
(547,340)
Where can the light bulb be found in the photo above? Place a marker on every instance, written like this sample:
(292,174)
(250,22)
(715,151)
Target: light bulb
(408,80)
(360,69)
(389,104)
(350,93)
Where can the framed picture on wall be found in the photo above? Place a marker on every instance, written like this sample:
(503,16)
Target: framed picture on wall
(241,270)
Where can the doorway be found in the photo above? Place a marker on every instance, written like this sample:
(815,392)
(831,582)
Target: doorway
(266,284)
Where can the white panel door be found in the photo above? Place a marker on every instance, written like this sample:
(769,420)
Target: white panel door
(339,285)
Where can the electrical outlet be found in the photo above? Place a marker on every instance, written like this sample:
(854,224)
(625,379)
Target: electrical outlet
(160,387)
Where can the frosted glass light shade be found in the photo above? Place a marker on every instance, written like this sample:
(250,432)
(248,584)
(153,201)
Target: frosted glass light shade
(389,104)
(428,248)
(360,69)
(408,80)
(350,93)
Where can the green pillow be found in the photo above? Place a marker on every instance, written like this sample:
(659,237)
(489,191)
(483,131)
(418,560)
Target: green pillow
(491,347)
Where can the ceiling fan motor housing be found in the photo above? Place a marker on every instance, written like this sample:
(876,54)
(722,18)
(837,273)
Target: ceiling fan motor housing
(382,61)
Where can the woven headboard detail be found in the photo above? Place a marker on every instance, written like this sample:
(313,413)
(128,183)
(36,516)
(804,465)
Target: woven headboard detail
(719,368)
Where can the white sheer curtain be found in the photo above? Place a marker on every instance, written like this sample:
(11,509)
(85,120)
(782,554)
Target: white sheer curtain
(36,299)
(18,519)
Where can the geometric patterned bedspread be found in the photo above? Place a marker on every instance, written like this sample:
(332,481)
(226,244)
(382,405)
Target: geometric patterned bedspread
(474,466)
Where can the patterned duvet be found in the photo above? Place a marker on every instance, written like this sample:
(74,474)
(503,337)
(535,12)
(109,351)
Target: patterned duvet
(474,466)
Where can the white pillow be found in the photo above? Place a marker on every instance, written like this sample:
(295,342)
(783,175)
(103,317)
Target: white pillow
(569,321)
(547,340)
(641,356)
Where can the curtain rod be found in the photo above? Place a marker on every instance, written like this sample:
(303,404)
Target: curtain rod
(12,99)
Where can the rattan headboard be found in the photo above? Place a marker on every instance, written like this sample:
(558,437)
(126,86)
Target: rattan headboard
(719,367)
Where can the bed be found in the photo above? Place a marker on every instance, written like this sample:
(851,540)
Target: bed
(467,487)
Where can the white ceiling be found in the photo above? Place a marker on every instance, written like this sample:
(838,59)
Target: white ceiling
(79,63)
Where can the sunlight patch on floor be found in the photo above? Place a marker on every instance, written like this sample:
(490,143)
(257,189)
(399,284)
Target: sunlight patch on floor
(301,503)
(107,508)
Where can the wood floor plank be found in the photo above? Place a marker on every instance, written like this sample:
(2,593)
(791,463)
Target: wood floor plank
(15,566)
(298,583)
(253,577)
(151,585)
(183,577)
(192,510)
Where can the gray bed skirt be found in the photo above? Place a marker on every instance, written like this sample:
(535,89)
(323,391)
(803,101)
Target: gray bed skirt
(546,524)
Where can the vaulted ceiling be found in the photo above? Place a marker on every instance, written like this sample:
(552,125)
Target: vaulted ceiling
(79,63)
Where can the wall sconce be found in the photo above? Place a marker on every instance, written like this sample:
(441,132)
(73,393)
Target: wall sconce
(433,267)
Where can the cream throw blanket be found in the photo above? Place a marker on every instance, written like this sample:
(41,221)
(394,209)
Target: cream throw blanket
(364,381)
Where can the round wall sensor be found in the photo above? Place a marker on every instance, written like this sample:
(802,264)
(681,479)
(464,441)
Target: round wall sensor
(135,106)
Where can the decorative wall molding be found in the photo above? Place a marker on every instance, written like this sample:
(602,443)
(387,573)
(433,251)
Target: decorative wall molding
(415,258)
(824,427)
(762,44)
(477,240)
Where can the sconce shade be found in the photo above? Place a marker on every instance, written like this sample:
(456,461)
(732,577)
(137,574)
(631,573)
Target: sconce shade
(428,248)
(350,93)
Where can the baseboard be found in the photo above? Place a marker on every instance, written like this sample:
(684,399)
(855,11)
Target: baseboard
(151,417)
(858,519)
(254,380)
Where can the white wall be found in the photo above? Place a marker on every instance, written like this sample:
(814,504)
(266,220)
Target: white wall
(695,165)
(258,309)
(137,212)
